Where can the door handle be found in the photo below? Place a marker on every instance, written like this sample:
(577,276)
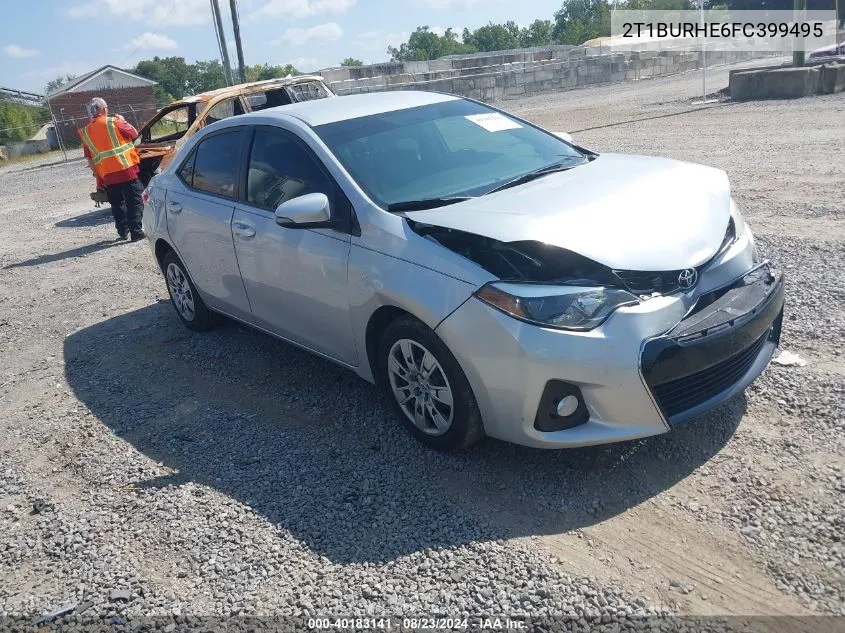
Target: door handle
(174,207)
(243,230)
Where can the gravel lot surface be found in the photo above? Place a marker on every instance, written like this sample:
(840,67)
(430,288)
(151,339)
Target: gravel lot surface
(147,470)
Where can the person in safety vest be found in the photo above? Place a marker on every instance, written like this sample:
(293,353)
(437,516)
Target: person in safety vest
(112,157)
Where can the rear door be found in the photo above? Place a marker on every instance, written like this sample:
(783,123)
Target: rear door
(296,279)
(199,219)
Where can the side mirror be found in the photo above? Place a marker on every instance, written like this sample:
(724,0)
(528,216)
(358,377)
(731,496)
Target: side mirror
(564,136)
(304,212)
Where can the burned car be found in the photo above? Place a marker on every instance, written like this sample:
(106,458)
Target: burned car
(492,277)
(173,125)
(831,53)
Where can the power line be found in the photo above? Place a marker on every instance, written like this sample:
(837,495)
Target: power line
(150,34)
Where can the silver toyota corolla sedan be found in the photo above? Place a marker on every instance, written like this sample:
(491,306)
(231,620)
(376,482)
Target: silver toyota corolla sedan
(493,277)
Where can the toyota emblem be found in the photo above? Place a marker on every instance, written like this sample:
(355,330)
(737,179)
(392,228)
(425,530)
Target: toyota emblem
(687,278)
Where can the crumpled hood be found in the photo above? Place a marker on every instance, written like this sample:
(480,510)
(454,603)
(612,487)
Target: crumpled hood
(626,212)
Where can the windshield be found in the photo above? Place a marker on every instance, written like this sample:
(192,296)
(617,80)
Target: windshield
(452,149)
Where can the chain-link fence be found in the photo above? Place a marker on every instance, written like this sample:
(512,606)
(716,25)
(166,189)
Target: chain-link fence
(32,129)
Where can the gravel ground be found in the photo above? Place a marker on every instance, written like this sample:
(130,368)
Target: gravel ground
(149,471)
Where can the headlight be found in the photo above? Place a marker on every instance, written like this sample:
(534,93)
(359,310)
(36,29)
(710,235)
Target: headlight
(739,222)
(741,228)
(564,307)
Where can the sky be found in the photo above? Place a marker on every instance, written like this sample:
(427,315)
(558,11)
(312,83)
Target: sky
(43,39)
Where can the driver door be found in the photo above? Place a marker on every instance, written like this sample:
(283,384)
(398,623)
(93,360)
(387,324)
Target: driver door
(296,279)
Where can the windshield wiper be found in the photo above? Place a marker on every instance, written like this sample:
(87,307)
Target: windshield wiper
(537,173)
(426,203)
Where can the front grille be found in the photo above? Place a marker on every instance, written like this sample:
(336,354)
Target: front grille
(645,283)
(641,282)
(677,396)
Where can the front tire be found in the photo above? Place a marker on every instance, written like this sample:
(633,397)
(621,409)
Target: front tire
(427,387)
(187,302)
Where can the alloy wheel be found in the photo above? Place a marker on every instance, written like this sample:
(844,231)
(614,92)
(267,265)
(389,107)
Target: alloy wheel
(420,386)
(180,292)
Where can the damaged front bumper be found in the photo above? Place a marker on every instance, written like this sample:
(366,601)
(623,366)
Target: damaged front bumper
(718,349)
(649,366)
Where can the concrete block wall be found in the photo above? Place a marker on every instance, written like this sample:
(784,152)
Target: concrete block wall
(513,74)
(25,148)
(785,82)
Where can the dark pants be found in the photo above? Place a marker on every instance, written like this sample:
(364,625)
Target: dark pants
(127,206)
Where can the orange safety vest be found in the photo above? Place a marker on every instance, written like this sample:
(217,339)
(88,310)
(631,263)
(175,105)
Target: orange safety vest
(110,150)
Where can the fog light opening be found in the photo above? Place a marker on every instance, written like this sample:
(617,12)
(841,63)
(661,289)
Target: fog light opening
(566,406)
(561,407)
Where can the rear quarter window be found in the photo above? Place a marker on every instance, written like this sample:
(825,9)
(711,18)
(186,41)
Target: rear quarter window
(186,171)
(308,91)
(268,99)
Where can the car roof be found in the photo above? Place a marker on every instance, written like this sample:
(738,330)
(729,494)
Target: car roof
(322,111)
(247,87)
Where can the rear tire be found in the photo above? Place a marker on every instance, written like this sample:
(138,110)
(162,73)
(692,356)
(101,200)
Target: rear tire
(187,302)
(427,387)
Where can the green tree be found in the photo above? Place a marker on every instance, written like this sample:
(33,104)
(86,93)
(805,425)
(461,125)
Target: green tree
(539,33)
(351,61)
(177,79)
(425,44)
(261,72)
(57,83)
(514,30)
(173,75)
(206,76)
(19,122)
(495,37)
(580,20)
(671,5)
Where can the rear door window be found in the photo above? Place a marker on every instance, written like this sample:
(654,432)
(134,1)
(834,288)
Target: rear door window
(223,110)
(217,164)
(170,126)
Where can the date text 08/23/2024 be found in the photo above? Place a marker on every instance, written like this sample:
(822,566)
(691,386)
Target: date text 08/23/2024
(417,624)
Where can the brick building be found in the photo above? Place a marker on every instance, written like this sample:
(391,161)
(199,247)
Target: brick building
(125,93)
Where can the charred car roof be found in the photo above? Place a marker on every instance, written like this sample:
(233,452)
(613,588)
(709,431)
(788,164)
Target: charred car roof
(254,86)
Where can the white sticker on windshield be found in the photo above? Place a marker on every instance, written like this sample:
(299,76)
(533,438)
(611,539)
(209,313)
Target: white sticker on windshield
(493,122)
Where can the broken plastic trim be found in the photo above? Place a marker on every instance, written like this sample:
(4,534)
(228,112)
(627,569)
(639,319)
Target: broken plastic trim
(521,262)
(531,261)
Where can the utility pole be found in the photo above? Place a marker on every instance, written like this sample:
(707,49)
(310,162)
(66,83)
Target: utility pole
(799,7)
(221,41)
(236,27)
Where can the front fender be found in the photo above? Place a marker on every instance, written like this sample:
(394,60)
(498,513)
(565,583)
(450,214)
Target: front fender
(377,280)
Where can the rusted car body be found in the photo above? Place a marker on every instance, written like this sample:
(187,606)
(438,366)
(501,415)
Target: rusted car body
(168,130)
